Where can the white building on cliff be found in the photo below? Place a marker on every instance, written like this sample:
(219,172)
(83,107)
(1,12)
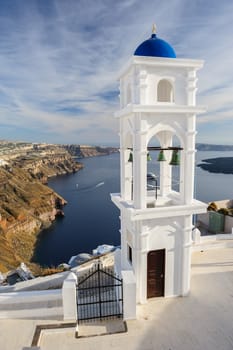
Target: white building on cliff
(157,99)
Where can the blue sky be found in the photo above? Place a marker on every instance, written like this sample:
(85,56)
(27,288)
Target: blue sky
(59,62)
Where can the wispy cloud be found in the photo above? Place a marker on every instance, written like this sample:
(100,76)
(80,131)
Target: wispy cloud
(59,62)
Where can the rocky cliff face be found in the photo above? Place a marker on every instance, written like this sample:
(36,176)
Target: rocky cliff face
(47,164)
(83,151)
(26,204)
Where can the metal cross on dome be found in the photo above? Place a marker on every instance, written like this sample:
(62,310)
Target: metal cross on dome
(154,29)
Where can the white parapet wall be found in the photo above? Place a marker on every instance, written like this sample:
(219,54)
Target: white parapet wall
(54,281)
(129,288)
(228,224)
(59,304)
(58,300)
(117,262)
(214,241)
(203,219)
(129,294)
(33,304)
(69,296)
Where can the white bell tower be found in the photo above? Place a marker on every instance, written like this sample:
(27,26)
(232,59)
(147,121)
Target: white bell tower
(157,99)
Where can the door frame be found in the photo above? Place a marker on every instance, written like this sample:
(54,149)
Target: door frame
(162,253)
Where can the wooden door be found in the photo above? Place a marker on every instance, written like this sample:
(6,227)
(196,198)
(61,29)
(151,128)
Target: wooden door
(155,273)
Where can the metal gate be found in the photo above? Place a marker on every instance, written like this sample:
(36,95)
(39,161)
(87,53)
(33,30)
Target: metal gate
(99,295)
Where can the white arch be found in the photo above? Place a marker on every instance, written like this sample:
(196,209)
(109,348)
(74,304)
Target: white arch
(174,129)
(165,91)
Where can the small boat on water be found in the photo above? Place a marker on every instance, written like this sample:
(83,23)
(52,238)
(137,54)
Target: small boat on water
(151,176)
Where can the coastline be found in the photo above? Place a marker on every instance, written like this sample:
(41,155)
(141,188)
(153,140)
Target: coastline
(28,205)
(36,210)
(33,230)
(88,216)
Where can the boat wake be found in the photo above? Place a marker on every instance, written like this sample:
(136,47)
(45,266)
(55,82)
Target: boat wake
(89,188)
(99,184)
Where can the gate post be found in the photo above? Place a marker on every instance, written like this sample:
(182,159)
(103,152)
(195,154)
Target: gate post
(69,298)
(129,295)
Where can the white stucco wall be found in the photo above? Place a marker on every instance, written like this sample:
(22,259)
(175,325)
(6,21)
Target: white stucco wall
(168,224)
(171,234)
(228,224)
(129,292)
(69,297)
(34,304)
(203,219)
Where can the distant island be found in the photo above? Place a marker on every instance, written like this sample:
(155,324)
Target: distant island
(223,165)
(210,147)
(220,165)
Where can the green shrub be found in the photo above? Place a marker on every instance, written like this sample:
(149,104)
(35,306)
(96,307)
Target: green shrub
(224,211)
(212,207)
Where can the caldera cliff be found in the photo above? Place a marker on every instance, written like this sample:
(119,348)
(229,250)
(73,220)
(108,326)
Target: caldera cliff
(27,205)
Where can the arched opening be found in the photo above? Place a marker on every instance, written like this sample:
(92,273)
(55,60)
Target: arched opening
(163,168)
(153,172)
(175,176)
(127,167)
(165,91)
(161,183)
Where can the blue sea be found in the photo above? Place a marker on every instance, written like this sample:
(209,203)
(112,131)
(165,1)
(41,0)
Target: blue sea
(91,219)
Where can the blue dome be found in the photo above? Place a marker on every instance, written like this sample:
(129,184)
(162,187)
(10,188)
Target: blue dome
(155,47)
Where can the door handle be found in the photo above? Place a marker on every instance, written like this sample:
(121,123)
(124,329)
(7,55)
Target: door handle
(161,275)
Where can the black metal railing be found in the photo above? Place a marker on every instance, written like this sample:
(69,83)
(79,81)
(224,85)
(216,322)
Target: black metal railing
(99,295)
